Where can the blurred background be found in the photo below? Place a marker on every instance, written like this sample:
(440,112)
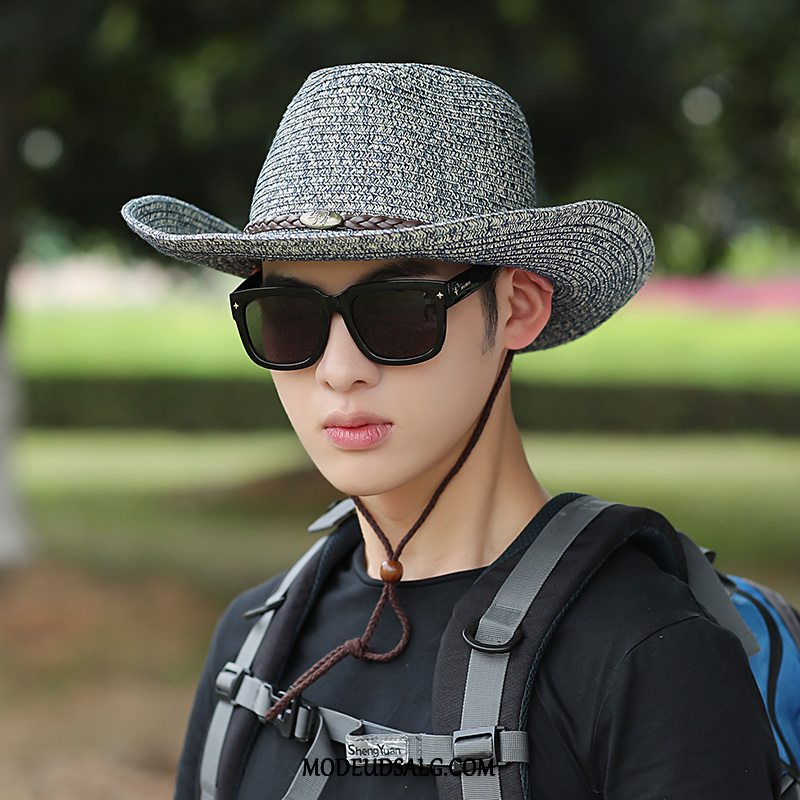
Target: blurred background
(147,471)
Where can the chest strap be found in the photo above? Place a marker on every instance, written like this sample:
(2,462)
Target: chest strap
(478,743)
(364,740)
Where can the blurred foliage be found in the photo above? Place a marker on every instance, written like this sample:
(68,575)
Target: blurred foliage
(687,112)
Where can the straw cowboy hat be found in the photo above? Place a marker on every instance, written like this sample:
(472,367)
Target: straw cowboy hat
(392,160)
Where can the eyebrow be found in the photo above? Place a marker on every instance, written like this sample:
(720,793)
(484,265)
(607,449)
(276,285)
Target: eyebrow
(405,268)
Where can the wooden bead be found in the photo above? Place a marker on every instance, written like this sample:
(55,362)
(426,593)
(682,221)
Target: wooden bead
(391,571)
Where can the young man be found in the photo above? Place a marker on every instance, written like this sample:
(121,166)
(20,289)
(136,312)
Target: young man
(395,262)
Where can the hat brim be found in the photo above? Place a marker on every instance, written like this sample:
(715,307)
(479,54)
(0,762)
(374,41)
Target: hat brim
(597,254)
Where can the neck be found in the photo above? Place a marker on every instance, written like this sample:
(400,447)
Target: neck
(481,511)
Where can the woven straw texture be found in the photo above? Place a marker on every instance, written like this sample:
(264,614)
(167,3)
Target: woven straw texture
(420,160)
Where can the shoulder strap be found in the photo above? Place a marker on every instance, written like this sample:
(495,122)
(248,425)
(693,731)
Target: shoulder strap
(233,728)
(710,592)
(492,647)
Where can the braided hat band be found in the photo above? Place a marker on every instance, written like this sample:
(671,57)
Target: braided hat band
(356,222)
(392,160)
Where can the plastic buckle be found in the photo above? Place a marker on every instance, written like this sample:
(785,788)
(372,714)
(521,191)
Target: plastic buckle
(296,721)
(264,607)
(334,514)
(229,679)
(790,781)
(475,744)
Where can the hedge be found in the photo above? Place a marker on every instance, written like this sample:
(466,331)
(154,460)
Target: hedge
(235,404)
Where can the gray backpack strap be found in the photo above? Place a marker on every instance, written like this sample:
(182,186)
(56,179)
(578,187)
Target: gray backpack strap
(711,593)
(230,678)
(335,513)
(308,784)
(496,634)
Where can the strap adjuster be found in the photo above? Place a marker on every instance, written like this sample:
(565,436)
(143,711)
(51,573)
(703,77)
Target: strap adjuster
(230,679)
(238,686)
(475,744)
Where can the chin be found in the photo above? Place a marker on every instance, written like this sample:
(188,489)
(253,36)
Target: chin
(361,480)
(351,485)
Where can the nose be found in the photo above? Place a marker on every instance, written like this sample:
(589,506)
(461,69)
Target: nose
(342,363)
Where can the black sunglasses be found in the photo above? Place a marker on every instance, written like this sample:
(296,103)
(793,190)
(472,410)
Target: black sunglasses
(393,322)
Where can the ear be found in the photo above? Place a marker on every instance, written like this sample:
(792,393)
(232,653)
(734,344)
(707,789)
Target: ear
(524,301)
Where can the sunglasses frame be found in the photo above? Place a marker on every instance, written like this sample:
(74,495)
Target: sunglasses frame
(445,294)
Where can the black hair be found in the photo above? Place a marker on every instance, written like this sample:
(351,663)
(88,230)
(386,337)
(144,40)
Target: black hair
(488,293)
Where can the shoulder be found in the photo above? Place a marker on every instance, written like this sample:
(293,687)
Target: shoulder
(635,667)
(686,692)
(232,627)
(628,599)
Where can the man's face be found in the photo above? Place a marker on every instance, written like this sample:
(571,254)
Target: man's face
(433,406)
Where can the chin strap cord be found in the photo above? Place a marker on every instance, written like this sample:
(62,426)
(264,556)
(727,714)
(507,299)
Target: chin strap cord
(391,573)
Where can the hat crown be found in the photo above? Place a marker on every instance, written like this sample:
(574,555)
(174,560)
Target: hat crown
(415,141)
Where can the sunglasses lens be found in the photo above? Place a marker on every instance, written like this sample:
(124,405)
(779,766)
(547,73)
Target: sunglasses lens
(397,323)
(286,329)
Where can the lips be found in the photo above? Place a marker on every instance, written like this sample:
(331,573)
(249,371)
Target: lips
(361,438)
(354,419)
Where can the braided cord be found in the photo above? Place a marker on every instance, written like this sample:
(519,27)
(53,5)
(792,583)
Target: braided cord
(359,647)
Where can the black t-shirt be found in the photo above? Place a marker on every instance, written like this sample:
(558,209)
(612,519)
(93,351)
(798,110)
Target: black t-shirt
(639,696)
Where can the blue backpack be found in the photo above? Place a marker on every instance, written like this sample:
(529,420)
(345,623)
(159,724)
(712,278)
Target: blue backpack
(776,665)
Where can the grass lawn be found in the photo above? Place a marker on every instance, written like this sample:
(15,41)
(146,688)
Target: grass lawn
(735,350)
(198,505)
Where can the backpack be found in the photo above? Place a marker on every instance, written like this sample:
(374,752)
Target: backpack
(489,656)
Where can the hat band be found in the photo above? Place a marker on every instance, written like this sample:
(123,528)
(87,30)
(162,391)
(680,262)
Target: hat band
(330,219)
